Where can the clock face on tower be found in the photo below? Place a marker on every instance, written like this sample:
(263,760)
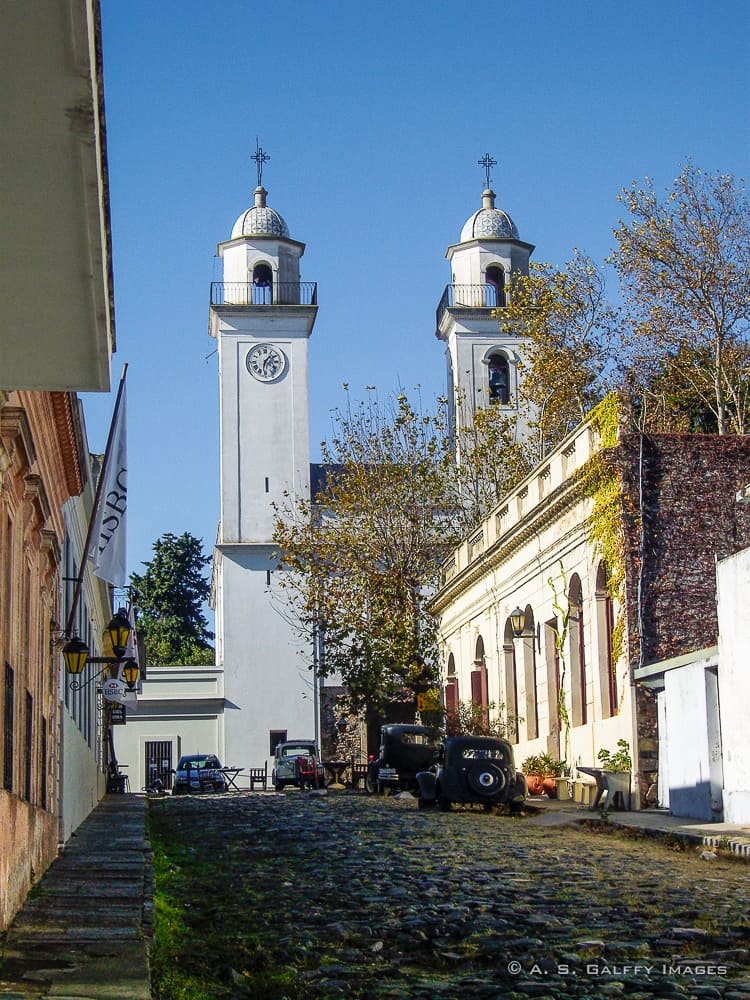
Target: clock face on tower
(265,362)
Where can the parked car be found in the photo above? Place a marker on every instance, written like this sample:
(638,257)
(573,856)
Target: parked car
(404,751)
(473,769)
(198,772)
(295,762)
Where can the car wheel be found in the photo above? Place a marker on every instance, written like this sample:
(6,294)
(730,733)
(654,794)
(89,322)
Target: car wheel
(279,786)
(423,803)
(486,779)
(371,781)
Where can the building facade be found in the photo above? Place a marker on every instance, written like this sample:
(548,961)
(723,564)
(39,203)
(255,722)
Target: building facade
(180,710)
(57,337)
(43,463)
(609,549)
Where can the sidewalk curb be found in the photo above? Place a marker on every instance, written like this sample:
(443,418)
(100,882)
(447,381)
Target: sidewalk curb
(667,828)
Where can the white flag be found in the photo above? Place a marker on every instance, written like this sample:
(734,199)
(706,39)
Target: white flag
(110,536)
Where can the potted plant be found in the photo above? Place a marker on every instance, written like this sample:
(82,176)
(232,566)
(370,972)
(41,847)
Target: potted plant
(551,770)
(534,771)
(617,761)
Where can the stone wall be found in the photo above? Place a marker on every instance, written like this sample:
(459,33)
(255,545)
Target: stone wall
(685,485)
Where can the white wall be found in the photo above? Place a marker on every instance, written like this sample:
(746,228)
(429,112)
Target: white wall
(180,705)
(733,586)
(694,790)
(267,681)
(83,784)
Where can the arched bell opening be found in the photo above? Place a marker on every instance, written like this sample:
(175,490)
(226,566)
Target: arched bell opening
(262,285)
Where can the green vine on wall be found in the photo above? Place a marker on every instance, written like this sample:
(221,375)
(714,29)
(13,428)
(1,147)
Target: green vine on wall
(561,606)
(603,485)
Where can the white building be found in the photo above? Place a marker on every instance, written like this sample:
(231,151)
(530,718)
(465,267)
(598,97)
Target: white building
(261,315)
(180,710)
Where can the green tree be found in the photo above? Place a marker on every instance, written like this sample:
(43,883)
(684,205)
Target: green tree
(491,459)
(684,265)
(363,557)
(170,595)
(570,337)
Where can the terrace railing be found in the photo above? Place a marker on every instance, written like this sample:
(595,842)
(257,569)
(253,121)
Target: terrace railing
(280,293)
(470,297)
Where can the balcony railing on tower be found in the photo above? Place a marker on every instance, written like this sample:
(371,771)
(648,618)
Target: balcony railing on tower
(280,293)
(470,297)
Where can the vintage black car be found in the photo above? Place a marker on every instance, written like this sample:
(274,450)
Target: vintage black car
(473,769)
(404,751)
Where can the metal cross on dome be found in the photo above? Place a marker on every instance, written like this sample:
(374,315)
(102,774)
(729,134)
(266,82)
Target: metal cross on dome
(488,163)
(260,158)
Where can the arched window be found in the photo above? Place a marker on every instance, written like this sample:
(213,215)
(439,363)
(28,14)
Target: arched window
(605,623)
(529,675)
(451,693)
(498,375)
(262,285)
(494,278)
(511,683)
(552,657)
(479,687)
(576,635)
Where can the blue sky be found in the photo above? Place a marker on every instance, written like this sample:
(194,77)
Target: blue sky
(374,116)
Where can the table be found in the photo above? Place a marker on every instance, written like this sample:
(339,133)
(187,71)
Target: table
(231,773)
(336,770)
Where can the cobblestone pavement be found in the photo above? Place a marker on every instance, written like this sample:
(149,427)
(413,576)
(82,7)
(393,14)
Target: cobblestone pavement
(371,897)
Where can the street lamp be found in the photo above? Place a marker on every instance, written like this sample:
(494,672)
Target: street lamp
(130,673)
(119,632)
(517,622)
(76,653)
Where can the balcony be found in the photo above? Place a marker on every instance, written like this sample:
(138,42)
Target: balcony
(280,293)
(469,297)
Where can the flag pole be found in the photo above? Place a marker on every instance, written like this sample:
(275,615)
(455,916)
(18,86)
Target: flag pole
(95,508)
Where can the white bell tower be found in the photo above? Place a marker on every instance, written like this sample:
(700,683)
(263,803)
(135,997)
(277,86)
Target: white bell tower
(482,360)
(261,315)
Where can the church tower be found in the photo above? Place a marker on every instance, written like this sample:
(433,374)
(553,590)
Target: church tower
(482,360)
(261,315)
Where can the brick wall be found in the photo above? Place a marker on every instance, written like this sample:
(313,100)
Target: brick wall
(690,519)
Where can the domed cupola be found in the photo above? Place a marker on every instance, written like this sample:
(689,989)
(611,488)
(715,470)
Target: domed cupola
(260,220)
(489,222)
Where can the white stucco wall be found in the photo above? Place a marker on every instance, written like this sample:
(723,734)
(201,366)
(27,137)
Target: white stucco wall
(733,586)
(267,682)
(180,705)
(83,783)
(694,783)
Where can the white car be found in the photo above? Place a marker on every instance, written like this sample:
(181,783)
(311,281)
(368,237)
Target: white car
(294,763)
(198,772)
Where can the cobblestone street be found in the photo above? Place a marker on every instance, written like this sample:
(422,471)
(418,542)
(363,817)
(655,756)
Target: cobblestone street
(368,897)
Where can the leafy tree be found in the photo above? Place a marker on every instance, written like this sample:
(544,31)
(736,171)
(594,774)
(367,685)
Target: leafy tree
(570,333)
(363,557)
(684,264)
(491,459)
(170,595)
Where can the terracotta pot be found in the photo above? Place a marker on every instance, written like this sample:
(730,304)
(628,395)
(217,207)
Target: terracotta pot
(549,785)
(535,784)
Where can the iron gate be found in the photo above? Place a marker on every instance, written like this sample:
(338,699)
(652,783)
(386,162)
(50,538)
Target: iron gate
(159,762)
